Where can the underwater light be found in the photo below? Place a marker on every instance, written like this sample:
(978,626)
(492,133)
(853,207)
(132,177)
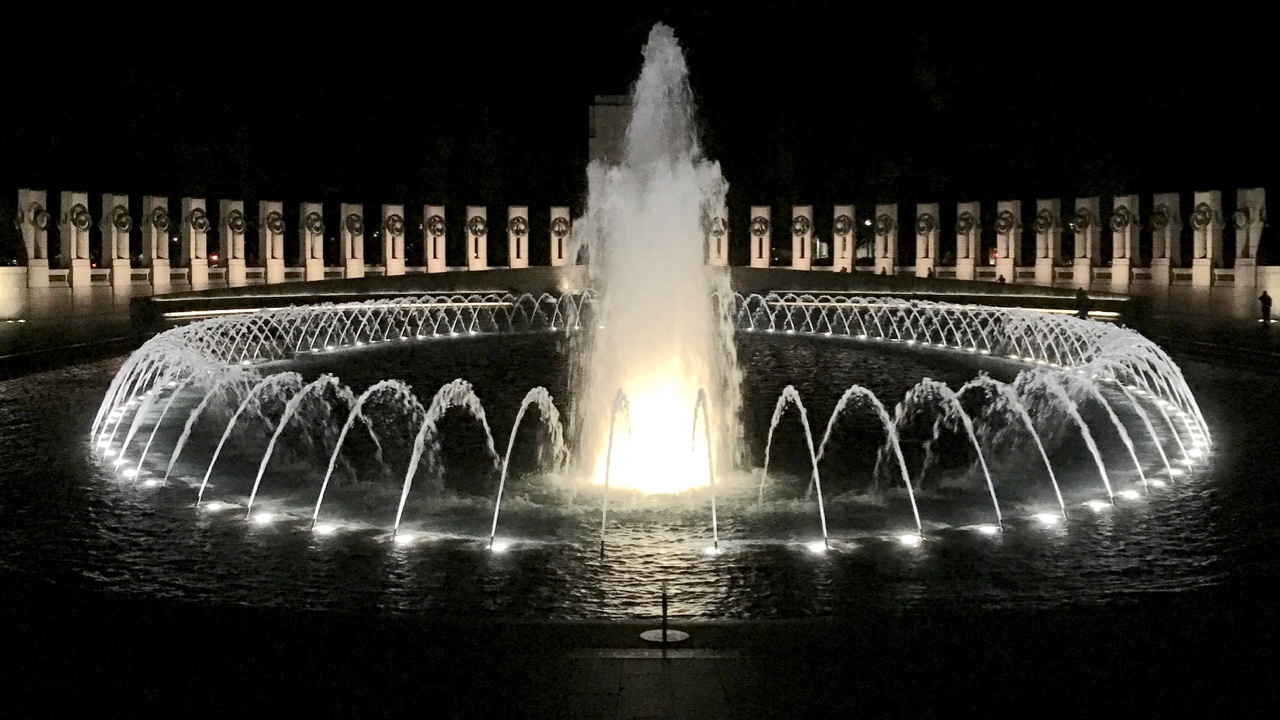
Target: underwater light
(499,546)
(910,539)
(404,539)
(1048,518)
(989,529)
(1157,482)
(817,546)
(1097,505)
(1129,494)
(1176,472)
(263,518)
(129,472)
(214,506)
(324,529)
(151,483)
(711,550)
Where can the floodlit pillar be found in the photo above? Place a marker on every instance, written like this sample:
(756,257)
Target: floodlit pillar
(802,237)
(561,228)
(434,238)
(926,239)
(1249,218)
(477,237)
(1166,246)
(156,226)
(352,236)
(393,239)
(1088,243)
(968,240)
(116,223)
(33,220)
(311,240)
(518,236)
(886,229)
(718,238)
(1124,241)
(234,224)
(195,242)
(1048,240)
(1008,239)
(1206,226)
(271,232)
(74,225)
(761,239)
(843,242)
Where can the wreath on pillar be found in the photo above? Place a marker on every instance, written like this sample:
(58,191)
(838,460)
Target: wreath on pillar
(801,225)
(477,226)
(518,226)
(1006,222)
(966,223)
(1201,218)
(80,219)
(354,224)
(760,226)
(1045,221)
(39,216)
(435,225)
(560,226)
(1121,219)
(315,223)
(199,220)
(884,225)
(1242,217)
(925,223)
(843,225)
(1160,217)
(718,228)
(160,218)
(120,218)
(1083,219)
(275,222)
(235,222)
(394,224)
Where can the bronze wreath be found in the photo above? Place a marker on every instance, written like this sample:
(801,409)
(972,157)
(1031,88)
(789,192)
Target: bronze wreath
(843,225)
(1160,217)
(199,220)
(354,224)
(275,222)
(160,218)
(435,225)
(315,223)
(1006,222)
(120,218)
(925,223)
(518,226)
(235,222)
(1045,221)
(760,225)
(560,226)
(79,216)
(800,226)
(477,226)
(1201,218)
(1242,217)
(1121,219)
(966,223)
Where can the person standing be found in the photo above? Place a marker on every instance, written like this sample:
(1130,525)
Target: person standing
(1265,300)
(1083,304)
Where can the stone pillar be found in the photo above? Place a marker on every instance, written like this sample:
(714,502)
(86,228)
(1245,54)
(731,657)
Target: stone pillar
(843,240)
(74,224)
(1008,239)
(1249,218)
(968,240)
(1088,241)
(1166,247)
(1124,241)
(886,229)
(393,239)
(195,242)
(1206,224)
(477,237)
(352,235)
(926,239)
(761,236)
(271,231)
(434,238)
(561,234)
(718,238)
(518,236)
(311,240)
(33,219)
(116,223)
(233,225)
(1048,240)
(156,226)
(802,237)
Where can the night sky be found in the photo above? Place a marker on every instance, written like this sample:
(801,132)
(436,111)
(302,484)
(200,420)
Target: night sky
(462,103)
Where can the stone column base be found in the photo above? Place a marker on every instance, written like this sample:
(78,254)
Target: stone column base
(885,266)
(1045,271)
(236,276)
(1082,276)
(394,266)
(353,269)
(924,266)
(81,274)
(121,276)
(38,273)
(1161,274)
(1202,272)
(160,281)
(274,272)
(1246,272)
(966,269)
(314,269)
(1005,267)
(198,277)
(1120,275)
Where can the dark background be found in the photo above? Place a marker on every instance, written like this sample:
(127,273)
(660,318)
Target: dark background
(464,102)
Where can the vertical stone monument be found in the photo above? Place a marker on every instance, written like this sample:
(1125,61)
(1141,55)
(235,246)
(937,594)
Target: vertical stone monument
(843,241)
(311,240)
(116,223)
(352,236)
(1088,245)
(802,237)
(234,224)
(477,237)
(718,238)
(1249,218)
(1166,245)
(33,220)
(1124,241)
(74,224)
(1008,239)
(561,234)
(1206,226)
(926,239)
(886,229)
(195,242)
(1048,240)
(968,240)
(271,233)
(393,239)
(761,236)
(433,238)
(156,226)
(518,236)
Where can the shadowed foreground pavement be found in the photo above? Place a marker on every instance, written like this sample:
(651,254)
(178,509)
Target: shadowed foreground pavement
(66,649)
